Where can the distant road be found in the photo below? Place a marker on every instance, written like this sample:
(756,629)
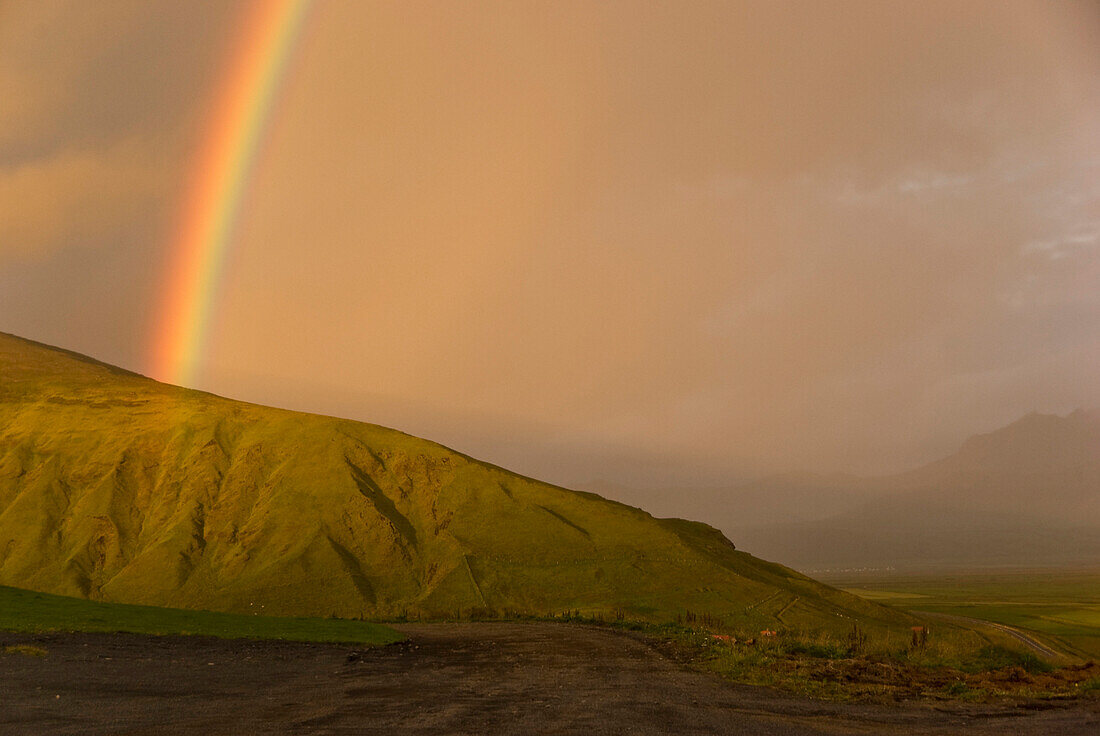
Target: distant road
(1032,643)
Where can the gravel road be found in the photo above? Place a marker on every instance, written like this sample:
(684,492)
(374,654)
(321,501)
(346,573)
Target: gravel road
(502,678)
(1026,639)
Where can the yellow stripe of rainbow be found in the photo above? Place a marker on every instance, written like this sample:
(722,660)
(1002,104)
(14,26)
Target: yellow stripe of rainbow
(219,180)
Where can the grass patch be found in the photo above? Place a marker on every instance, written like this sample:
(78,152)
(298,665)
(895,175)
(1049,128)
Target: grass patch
(995,658)
(27,611)
(881,595)
(25,650)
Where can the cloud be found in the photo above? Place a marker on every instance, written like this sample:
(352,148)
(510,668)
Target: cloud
(98,102)
(78,196)
(82,75)
(931,181)
(716,231)
(912,181)
(1065,245)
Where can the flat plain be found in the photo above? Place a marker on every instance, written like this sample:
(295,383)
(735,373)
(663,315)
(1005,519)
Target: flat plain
(1059,607)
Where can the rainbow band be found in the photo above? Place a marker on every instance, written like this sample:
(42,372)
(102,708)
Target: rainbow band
(219,182)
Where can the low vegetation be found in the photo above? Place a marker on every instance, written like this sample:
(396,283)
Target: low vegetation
(940,657)
(27,611)
(824,666)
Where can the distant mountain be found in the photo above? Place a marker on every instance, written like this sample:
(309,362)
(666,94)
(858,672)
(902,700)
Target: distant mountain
(1041,466)
(116,487)
(1026,494)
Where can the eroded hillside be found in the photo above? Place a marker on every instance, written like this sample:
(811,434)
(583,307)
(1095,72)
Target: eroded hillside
(115,487)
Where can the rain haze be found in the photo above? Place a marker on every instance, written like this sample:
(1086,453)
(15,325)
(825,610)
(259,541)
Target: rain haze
(650,245)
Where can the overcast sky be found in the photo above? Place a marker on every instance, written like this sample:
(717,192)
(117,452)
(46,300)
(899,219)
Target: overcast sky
(647,243)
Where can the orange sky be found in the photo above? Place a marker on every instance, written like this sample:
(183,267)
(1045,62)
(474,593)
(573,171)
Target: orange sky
(638,242)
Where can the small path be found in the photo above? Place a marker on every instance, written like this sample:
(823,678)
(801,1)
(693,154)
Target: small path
(779,616)
(1026,639)
(762,601)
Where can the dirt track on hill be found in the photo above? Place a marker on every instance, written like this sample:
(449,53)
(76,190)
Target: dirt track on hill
(447,679)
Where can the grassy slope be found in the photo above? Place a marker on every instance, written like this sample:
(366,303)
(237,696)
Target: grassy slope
(118,488)
(24,610)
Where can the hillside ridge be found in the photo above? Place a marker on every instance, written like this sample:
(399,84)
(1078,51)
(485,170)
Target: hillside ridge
(115,487)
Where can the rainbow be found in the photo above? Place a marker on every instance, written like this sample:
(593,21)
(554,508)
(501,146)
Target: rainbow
(204,233)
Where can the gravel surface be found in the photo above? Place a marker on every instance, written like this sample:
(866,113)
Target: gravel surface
(529,678)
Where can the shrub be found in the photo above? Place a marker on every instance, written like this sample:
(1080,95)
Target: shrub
(996,658)
(819,651)
(957,688)
(857,640)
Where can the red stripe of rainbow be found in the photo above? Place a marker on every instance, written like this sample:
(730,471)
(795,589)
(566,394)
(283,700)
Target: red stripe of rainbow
(219,181)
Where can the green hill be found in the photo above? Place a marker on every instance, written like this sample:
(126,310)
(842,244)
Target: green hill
(115,487)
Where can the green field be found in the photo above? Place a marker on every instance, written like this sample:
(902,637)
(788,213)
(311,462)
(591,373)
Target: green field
(1062,607)
(27,611)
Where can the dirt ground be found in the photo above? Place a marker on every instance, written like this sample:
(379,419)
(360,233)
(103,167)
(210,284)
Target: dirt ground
(506,678)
